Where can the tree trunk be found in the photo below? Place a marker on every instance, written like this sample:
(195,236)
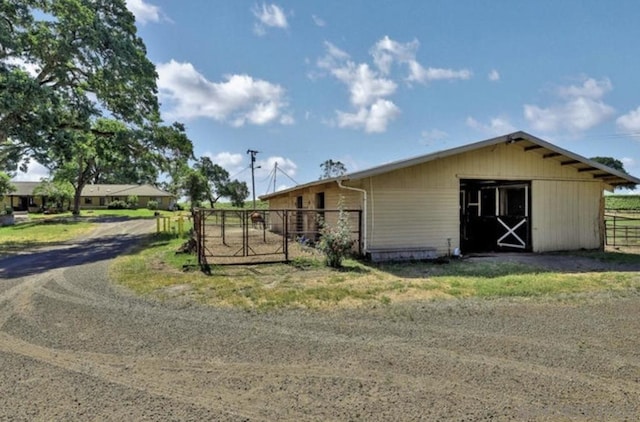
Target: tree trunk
(76,200)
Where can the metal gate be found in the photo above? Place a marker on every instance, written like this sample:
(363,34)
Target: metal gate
(264,236)
(622,230)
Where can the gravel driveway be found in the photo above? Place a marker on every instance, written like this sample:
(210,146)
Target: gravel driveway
(75,347)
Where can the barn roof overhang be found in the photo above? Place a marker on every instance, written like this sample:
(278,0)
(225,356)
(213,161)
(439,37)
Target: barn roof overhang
(529,144)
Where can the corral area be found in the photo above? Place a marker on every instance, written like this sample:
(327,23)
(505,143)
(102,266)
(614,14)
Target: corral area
(274,235)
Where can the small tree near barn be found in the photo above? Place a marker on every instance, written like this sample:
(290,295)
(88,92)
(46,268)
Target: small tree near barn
(332,168)
(336,242)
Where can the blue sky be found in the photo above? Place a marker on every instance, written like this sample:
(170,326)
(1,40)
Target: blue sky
(368,82)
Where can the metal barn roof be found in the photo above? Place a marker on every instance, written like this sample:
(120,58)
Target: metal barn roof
(528,143)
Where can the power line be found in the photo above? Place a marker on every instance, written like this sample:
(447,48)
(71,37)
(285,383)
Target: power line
(240,172)
(290,178)
(253,178)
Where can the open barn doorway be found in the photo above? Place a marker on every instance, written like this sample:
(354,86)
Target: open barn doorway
(495,215)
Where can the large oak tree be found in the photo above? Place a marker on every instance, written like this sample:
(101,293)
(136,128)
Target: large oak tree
(64,64)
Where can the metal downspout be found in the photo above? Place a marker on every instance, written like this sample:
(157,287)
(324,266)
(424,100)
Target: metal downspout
(364,212)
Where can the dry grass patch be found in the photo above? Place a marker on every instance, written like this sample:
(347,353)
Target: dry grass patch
(306,283)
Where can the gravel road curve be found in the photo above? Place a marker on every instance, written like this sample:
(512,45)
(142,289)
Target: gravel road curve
(75,347)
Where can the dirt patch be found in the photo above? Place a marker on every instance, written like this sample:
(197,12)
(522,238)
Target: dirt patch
(563,262)
(74,347)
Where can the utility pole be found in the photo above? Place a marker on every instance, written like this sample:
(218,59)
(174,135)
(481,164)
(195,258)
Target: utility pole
(253,179)
(275,173)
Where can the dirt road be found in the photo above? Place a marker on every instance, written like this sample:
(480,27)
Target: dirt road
(75,347)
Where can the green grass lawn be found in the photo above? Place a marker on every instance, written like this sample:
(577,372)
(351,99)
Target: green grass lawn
(41,232)
(156,270)
(46,229)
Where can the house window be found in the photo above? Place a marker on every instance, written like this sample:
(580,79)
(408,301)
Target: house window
(88,201)
(103,201)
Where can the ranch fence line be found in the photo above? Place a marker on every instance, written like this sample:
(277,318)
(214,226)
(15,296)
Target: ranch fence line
(622,230)
(629,211)
(227,237)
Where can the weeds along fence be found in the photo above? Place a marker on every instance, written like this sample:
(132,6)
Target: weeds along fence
(176,225)
(622,230)
(226,237)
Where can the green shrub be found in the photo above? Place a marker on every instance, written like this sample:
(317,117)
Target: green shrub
(7,210)
(152,205)
(132,201)
(336,242)
(117,205)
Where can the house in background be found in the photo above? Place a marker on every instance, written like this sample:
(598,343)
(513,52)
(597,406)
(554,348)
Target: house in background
(92,196)
(510,193)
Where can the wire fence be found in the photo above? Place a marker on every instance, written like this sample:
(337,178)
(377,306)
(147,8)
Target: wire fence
(264,236)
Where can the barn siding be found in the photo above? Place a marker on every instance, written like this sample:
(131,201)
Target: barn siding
(332,192)
(413,218)
(419,206)
(565,215)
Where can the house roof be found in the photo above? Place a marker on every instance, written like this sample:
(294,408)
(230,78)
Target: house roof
(527,142)
(123,190)
(26,189)
(23,188)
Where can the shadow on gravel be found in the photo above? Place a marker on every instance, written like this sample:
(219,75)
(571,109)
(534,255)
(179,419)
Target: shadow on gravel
(61,256)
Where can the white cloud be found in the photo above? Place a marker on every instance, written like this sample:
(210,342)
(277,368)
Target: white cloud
(287,120)
(226,159)
(577,115)
(630,122)
(364,85)
(590,88)
(386,52)
(239,99)
(269,15)
(373,119)
(284,164)
(145,12)
(334,57)
(318,21)
(581,109)
(422,75)
(496,126)
(428,137)
(35,173)
(369,87)
(367,91)
(494,75)
(628,162)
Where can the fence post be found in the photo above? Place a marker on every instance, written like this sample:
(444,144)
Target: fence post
(285,237)
(196,227)
(224,240)
(180,225)
(360,232)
